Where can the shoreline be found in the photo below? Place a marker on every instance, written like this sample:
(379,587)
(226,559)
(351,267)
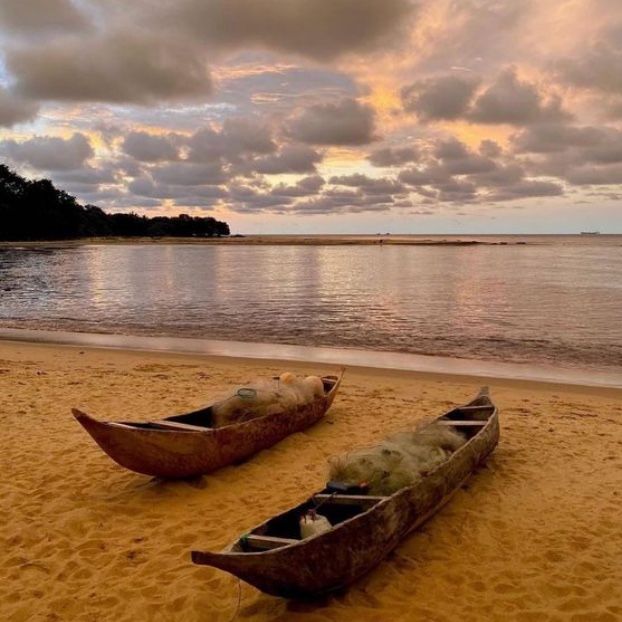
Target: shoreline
(321,239)
(284,240)
(469,370)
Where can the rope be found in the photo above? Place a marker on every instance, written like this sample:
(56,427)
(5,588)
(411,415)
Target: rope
(319,505)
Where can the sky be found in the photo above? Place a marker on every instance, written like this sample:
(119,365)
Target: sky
(323,116)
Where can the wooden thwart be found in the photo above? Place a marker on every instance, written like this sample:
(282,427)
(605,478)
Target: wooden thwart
(349,499)
(176,425)
(266,543)
(461,423)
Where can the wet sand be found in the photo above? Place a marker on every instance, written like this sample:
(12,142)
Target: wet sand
(535,535)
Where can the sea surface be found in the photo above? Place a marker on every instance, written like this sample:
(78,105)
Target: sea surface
(553,299)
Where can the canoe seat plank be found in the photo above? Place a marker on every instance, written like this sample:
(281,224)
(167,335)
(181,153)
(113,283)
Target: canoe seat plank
(176,425)
(349,499)
(472,408)
(266,543)
(461,423)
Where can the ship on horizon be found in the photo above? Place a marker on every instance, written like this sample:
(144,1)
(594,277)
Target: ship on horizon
(590,232)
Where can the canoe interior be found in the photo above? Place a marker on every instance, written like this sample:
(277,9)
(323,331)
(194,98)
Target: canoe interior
(203,417)
(338,508)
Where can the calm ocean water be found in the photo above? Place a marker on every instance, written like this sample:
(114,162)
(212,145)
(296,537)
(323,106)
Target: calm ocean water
(556,299)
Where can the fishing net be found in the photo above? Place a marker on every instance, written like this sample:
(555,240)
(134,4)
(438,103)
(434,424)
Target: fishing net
(398,461)
(267,397)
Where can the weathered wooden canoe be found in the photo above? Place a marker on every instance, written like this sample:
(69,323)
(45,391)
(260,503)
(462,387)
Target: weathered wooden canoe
(273,558)
(186,445)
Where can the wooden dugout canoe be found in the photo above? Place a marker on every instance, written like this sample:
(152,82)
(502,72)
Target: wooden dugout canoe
(273,558)
(185,445)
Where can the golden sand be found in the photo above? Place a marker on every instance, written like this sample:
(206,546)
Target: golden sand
(536,535)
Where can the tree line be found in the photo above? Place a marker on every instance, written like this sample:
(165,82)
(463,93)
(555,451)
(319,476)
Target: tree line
(37,210)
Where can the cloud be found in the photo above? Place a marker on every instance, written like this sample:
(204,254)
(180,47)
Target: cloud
(145,187)
(439,98)
(122,67)
(236,137)
(527,188)
(458,160)
(515,102)
(14,110)
(88,176)
(393,156)
(189,174)
(347,122)
(289,159)
(432,174)
(150,147)
(50,153)
(454,173)
(548,138)
(598,67)
(37,16)
(582,155)
(507,100)
(303,187)
(590,175)
(318,30)
(369,185)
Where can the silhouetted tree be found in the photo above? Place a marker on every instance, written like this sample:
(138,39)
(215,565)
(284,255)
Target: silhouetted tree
(36,210)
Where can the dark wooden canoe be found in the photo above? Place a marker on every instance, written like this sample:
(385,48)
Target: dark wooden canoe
(186,445)
(273,558)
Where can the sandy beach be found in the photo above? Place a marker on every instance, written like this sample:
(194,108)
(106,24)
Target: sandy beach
(534,536)
(282,240)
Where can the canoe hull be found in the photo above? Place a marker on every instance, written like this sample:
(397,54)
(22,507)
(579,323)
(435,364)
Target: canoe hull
(178,454)
(337,558)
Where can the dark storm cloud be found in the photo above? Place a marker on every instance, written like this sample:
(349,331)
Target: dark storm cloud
(150,147)
(37,16)
(124,67)
(346,122)
(49,153)
(393,156)
(320,30)
(14,110)
(515,102)
(439,98)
